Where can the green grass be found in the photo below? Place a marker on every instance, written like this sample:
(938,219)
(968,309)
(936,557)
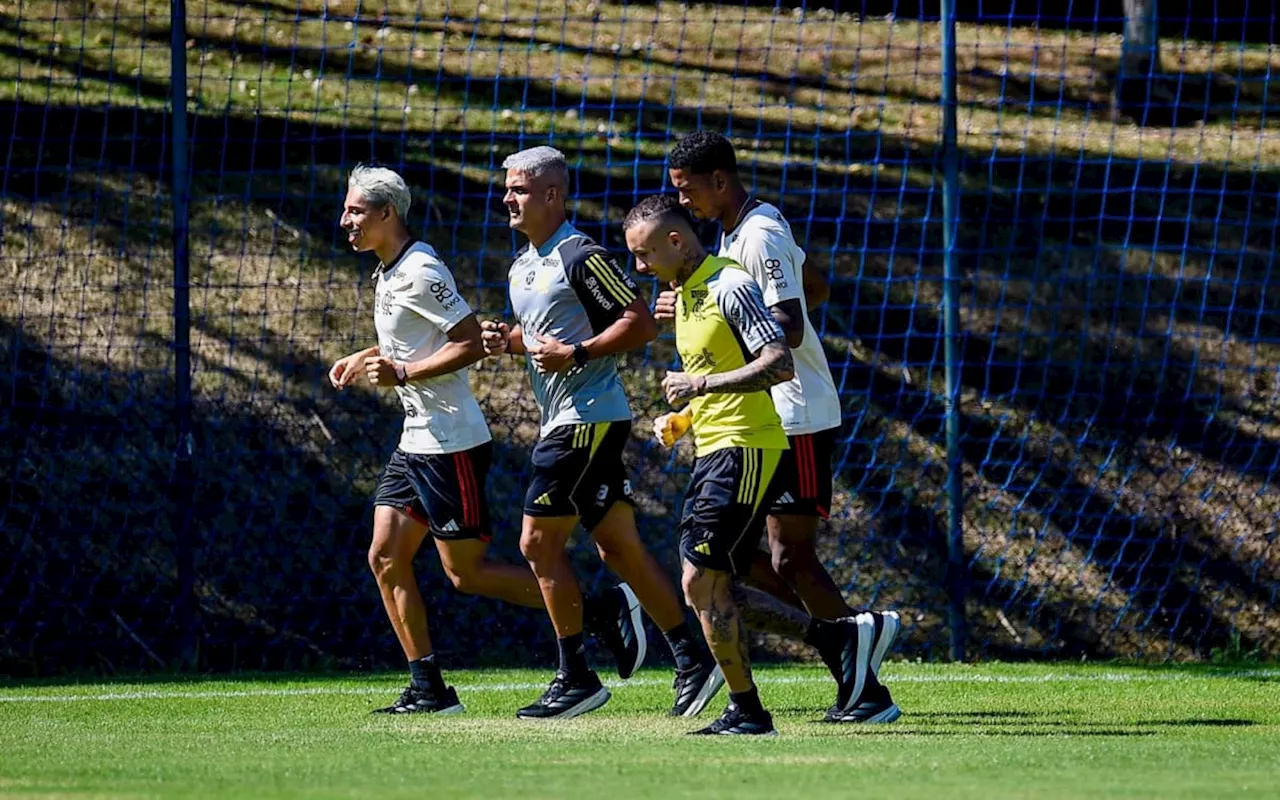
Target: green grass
(988,731)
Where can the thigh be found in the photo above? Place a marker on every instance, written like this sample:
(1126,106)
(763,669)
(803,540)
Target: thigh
(396,489)
(805,479)
(450,486)
(578,472)
(725,507)
(396,535)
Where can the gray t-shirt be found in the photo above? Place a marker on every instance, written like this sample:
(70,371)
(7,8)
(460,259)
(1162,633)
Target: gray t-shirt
(572,289)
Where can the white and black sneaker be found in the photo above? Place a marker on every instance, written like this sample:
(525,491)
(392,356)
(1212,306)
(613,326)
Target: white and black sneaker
(737,721)
(887,626)
(876,706)
(849,658)
(695,687)
(566,698)
(423,701)
(616,620)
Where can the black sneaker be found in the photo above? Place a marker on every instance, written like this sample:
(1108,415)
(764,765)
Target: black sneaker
(614,618)
(735,721)
(887,627)
(564,699)
(695,687)
(876,706)
(849,658)
(422,701)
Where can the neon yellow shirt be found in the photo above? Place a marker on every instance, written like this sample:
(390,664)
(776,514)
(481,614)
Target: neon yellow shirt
(721,321)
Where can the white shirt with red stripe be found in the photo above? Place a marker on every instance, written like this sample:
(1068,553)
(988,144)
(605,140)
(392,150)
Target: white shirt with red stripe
(417,305)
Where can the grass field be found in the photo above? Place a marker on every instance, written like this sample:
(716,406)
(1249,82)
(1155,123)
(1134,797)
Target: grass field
(967,731)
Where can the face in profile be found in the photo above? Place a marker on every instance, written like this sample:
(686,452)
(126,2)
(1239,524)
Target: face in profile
(701,195)
(658,248)
(530,201)
(363,223)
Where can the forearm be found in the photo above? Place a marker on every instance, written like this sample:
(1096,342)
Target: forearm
(773,366)
(368,352)
(623,336)
(448,359)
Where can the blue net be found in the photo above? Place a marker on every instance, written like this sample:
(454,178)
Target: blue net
(1119,305)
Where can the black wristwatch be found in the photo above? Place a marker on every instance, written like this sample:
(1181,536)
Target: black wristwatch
(580,356)
(402,374)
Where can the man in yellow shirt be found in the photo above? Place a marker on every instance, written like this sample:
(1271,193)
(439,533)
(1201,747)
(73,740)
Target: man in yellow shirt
(733,351)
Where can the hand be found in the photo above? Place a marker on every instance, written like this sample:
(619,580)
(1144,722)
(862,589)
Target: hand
(668,428)
(681,387)
(549,354)
(345,370)
(495,336)
(383,371)
(664,308)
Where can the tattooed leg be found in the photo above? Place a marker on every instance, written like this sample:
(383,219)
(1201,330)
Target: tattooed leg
(763,612)
(710,594)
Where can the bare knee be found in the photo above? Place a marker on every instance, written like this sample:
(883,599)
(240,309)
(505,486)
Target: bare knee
(383,559)
(540,546)
(698,586)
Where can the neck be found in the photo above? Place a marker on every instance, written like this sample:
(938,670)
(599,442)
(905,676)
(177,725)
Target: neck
(736,207)
(540,237)
(692,261)
(391,247)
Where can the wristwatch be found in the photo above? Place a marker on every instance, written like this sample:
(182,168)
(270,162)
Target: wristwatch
(402,374)
(580,356)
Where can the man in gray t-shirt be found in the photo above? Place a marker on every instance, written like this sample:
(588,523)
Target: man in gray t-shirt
(577,311)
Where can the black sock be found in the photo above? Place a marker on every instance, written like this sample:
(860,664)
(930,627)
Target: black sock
(425,674)
(822,634)
(748,701)
(683,646)
(573,656)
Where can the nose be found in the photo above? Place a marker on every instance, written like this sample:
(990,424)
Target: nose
(685,202)
(508,198)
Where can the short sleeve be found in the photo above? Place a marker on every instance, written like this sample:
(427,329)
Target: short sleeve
(603,288)
(742,303)
(435,296)
(769,254)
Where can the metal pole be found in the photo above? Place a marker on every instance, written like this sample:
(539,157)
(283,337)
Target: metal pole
(957,566)
(183,482)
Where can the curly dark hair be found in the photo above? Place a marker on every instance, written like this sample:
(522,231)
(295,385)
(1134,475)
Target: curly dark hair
(703,152)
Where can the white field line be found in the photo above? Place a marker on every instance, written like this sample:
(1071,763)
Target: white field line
(1048,677)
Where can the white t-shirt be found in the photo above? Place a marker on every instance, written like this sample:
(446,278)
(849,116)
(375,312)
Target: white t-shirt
(763,243)
(417,304)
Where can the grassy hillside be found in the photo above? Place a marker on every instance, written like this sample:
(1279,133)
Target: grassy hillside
(1121,406)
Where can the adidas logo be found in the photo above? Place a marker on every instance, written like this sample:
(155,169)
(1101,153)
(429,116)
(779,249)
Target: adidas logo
(543,500)
(450,526)
(786,498)
(704,549)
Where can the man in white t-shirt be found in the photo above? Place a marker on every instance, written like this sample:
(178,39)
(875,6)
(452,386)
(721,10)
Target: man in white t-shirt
(704,170)
(434,482)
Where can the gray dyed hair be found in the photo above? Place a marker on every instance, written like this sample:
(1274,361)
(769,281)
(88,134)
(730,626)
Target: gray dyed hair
(382,187)
(538,161)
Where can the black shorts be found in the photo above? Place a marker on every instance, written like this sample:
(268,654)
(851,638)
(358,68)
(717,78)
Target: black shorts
(445,492)
(725,506)
(805,484)
(578,472)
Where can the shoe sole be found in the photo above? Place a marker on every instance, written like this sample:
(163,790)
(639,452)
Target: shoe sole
(773,732)
(708,691)
(454,709)
(889,627)
(866,633)
(890,714)
(585,706)
(637,624)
